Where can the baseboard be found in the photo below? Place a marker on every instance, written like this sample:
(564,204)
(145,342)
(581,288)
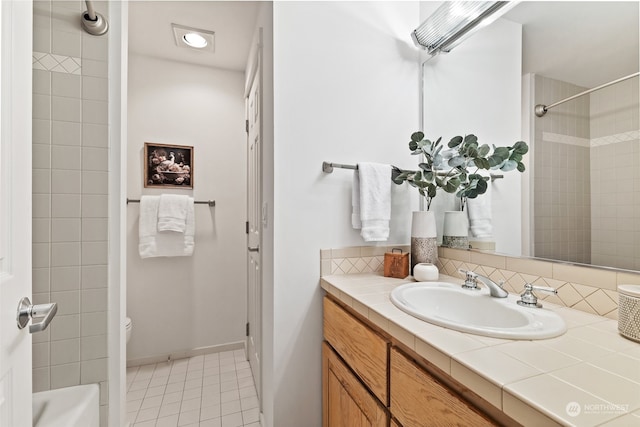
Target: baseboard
(186,353)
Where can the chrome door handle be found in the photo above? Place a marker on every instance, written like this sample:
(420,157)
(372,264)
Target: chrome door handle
(27,311)
(254,249)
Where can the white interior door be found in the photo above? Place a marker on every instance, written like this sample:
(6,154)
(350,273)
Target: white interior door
(15,209)
(254,229)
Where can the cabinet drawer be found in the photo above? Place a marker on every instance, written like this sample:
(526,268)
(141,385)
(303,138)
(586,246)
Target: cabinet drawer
(417,397)
(346,402)
(362,349)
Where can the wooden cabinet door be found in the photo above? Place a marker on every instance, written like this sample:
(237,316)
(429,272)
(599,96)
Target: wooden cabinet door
(346,402)
(366,352)
(417,399)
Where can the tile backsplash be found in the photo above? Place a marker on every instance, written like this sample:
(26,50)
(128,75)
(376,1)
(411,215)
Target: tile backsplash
(589,289)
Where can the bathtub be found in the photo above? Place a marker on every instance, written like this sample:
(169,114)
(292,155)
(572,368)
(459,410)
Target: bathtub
(77,406)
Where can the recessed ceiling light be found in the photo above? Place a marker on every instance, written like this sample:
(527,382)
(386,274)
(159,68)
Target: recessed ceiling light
(193,38)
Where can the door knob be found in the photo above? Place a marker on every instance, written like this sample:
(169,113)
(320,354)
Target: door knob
(27,311)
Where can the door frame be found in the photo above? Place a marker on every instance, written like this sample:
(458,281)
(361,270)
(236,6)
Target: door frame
(16,35)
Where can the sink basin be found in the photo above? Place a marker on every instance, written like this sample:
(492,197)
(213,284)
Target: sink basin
(476,312)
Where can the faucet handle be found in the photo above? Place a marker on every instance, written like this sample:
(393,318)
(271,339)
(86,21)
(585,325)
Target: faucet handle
(470,281)
(529,299)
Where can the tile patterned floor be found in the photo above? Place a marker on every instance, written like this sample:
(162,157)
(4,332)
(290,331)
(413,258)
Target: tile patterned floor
(213,390)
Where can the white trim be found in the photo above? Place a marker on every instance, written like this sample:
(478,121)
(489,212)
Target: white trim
(117,57)
(237,345)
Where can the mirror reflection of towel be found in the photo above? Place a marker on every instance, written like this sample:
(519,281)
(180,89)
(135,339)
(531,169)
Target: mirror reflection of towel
(480,217)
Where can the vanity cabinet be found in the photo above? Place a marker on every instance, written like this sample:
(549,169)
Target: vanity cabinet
(417,396)
(368,381)
(346,401)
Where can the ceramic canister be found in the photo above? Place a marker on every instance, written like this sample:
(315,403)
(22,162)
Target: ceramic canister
(425,272)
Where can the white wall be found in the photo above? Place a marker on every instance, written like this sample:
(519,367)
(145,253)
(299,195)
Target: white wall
(346,85)
(182,303)
(476,88)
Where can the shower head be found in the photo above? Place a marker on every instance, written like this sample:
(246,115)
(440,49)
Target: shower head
(93,22)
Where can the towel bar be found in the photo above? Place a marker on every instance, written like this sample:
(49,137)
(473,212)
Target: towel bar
(327,167)
(211,203)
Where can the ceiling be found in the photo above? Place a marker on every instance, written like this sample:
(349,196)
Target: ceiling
(233,22)
(585,43)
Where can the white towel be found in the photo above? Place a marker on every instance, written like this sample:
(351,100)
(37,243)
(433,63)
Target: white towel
(356,223)
(165,244)
(172,213)
(375,201)
(479,212)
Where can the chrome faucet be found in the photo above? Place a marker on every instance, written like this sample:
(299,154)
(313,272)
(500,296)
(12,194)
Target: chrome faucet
(471,282)
(529,299)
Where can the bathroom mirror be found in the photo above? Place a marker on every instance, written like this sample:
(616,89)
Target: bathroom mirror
(583,180)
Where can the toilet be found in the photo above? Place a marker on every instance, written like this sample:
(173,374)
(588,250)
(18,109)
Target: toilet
(127,327)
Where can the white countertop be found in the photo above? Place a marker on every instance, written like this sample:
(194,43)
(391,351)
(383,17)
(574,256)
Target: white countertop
(590,376)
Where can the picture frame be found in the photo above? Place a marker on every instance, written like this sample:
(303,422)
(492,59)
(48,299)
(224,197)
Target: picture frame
(168,165)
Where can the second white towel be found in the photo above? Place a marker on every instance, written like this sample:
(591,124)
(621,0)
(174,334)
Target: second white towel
(172,213)
(375,201)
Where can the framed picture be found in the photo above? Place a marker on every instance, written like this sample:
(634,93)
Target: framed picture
(168,165)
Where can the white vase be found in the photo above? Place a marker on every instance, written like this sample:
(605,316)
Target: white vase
(455,232)
(424,241)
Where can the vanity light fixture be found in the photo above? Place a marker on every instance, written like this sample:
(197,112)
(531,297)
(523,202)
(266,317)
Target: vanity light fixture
(193,38)
(454,21)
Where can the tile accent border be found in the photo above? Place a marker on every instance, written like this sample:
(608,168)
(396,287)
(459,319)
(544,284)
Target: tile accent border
(57,63)
(585,288)
(354,260)
(594,142)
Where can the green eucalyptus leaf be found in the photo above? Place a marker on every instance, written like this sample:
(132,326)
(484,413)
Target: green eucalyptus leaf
(483,150)
(521,147)
(421,191)
(516,157)
(456,161)
(417,136)
(428,176)
(418,176)
(470,139)
(437,142)
(494,161)
(482,163)
(455,141)
(502,152)
(521,167)
(509,165)
(431,190)
(472,151)
(481,186)
(424,166)
(437,160)
(413,146)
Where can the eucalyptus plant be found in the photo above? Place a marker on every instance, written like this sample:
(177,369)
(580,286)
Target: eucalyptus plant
(455,170)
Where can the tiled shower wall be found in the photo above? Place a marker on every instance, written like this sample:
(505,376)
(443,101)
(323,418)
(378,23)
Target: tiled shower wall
(70,175)
(587,184)
(562,219)
(615,176)
(589,289)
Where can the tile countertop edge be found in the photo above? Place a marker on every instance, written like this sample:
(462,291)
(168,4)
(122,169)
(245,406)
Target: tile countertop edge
(368,294)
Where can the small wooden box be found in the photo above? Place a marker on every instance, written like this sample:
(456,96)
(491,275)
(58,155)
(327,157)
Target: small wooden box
(396,264)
